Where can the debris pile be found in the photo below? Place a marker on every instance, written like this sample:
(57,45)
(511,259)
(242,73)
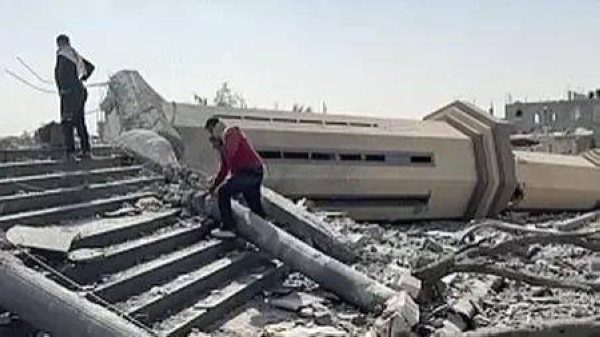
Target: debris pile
(436,278)
(17,142)
(547,277)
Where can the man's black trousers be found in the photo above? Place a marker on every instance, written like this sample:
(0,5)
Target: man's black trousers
(246,182)
(73,117)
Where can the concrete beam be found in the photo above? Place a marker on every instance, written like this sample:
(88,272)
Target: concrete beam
(307,226)
(48,305)
(349,284)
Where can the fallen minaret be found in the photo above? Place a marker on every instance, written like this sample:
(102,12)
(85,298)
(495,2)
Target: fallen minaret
(455,164)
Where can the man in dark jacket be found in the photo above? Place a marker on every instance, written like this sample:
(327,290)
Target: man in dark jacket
(70,73)
(242,163)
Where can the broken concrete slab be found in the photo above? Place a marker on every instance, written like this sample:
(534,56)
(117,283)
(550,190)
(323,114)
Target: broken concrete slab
(461,314)
(61,239)
(399,317)
(123,211)
(296,301)
(54,238)
(151,204)
(149,146)
(405,281)
(290,330)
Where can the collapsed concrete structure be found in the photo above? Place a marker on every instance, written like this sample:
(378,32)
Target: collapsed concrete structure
(156,271)
(137,106)
(456,163)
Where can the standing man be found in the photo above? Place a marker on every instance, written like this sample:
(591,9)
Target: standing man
(70,72)
(242,162)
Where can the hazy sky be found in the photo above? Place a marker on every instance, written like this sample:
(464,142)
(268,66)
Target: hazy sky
(385,58)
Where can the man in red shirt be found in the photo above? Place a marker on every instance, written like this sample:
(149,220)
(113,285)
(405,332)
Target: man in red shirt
(244,166)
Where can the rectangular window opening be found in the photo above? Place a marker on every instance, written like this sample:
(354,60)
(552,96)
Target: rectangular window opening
(270,154)
(257,118)
(361,125)
(322,156)
(229,117)
(336,123)
(375,157)
(285,120)
(419,202)
(350,157)
(296,155)
(421,159)
(311,121)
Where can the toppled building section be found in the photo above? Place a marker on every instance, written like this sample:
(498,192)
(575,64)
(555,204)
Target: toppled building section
(131,103)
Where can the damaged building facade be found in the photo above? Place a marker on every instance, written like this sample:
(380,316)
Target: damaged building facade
(561,126)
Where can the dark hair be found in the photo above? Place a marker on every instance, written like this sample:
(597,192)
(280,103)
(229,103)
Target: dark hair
(62,39)
(211,122)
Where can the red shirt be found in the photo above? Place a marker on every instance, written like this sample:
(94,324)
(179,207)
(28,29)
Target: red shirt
(237,154)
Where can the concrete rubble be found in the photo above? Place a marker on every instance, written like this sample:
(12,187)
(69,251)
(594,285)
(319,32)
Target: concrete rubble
(390,254)
(150,146)
(508,304)
(507,270)
(132,104)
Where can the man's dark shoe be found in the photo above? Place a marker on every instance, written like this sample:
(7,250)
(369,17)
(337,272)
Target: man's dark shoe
(223,234)
(84,156)
(71,157)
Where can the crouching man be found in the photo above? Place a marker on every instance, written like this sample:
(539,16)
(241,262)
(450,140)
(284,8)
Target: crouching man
(244,166)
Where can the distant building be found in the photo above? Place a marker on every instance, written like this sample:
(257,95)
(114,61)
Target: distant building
(578,111)
(563,142)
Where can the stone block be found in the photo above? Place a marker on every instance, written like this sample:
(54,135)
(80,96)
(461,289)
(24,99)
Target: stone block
(404,281)
(410,284)
(399,317)
(595,265)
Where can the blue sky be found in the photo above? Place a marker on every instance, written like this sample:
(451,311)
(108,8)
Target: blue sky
(383,58)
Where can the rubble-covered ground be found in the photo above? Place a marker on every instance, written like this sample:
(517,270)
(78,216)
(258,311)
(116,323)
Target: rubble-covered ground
(387,250)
